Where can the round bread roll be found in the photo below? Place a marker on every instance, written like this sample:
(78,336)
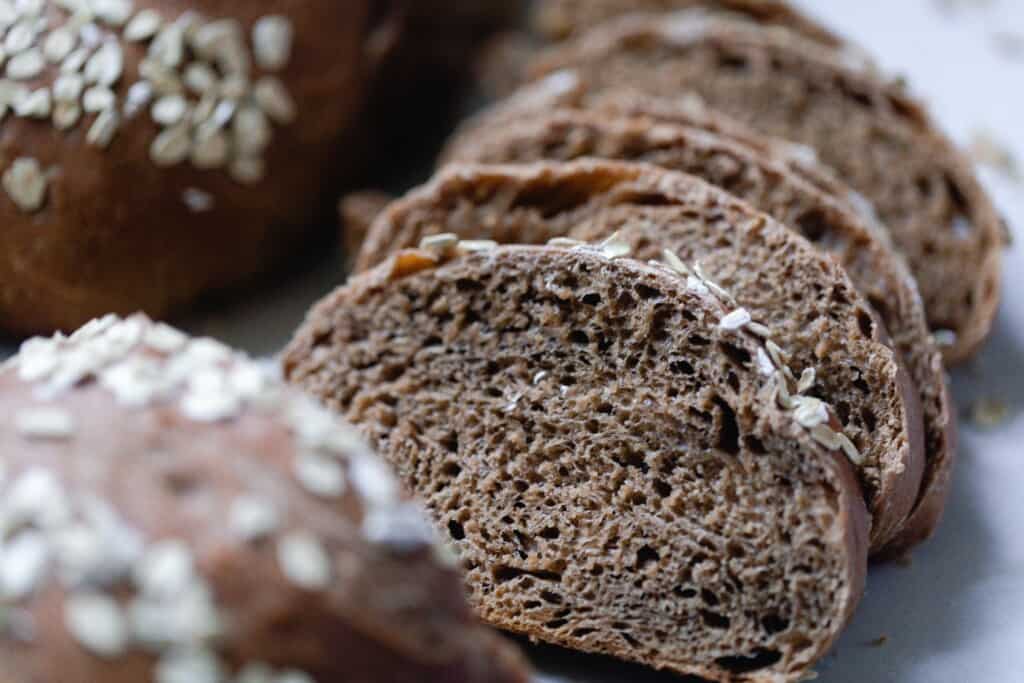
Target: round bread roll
(157,150)
(172,513)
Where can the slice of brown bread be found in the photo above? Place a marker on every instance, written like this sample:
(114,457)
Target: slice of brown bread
(806,299)
(602,448)
(878,138)
(810,201)
(558,19)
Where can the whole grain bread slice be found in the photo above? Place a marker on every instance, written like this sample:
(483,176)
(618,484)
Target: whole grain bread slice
(599,443)
(559,19)
(804,297)
(796,193)
(877,137)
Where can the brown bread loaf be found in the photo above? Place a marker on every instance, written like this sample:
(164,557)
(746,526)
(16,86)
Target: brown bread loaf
(796,192)
(145,143)
(171,512)
(808,302)
(597,439)
(878,138)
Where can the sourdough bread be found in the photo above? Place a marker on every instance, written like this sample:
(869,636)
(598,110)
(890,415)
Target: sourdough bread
(597,440)
(171,511)
(805,298)
(793,192)
(877,137)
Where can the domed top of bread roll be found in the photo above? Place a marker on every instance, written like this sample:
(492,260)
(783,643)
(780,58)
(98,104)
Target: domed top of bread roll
(171,512)
(145,140)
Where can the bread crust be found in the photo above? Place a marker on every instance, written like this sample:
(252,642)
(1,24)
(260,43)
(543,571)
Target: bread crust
(349,326)
(558,121)
(938,214)
(161,477)
(119,233)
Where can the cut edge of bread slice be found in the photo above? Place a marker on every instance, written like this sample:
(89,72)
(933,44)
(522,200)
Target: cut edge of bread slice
(628,554)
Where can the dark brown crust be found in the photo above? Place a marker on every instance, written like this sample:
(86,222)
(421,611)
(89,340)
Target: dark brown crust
(560,19)
(115,235)
(170,477)
(446,205)
(564,124)
(926,233)
(308,357)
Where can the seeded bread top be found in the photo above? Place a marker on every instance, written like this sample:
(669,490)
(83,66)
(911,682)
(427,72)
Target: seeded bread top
(162,135)
(168,504)
(804,297)
(876,136)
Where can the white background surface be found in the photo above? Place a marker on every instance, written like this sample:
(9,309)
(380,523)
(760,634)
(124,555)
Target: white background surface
(956,614)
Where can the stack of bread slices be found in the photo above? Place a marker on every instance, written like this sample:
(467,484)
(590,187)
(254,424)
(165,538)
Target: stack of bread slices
(662,346)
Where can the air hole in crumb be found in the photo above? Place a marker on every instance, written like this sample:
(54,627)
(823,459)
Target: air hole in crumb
(685,593)
(708,597)
(390,373)
(729,430)
(432,341)
(592,299)
(681,367)
(596,570)
(504,573)
(451,469)
(639,499)
(773,623)
(551,597)
(733,381)
(755,445)
(733,62)
(555,624)
(456,530)
(714,619)
(662,489)
(862,384)
(550,533)
(633,642)
(583,632)
(955,195)
(625,301)
(870,421)
(647,293)
(866,323)
(812,224)
(531,604)
(697,340)
(468,285)
(738,356)
(645,556)
(579,337)
(740,664)
(520,485)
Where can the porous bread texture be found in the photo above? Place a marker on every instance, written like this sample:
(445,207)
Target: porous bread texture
(877,137)
(559,19)
(144,194)
(604,453)
(805,298)
(171,511)
(793,192)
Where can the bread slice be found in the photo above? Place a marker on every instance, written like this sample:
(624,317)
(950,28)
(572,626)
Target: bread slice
(806,299)
(600,444)
(794,192)
(878,138)
(558,19)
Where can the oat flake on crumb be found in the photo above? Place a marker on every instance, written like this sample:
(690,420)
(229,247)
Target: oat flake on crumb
(989,413)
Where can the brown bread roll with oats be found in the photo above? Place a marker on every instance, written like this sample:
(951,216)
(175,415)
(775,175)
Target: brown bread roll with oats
(157,150)
(611,464)
(171,512)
